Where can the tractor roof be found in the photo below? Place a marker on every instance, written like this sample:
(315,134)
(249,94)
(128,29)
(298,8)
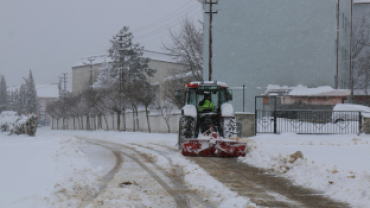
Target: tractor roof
(206,83)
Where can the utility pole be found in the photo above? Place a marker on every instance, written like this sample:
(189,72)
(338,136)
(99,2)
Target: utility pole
(91,59)
(122,42)
(243,97)
(65,81)
(122,51)
(210,2)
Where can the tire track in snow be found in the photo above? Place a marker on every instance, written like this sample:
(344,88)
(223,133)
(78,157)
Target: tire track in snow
(107,177)
(179,173)
(175,194)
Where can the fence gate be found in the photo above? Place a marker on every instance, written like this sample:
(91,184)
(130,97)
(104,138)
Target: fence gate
(272,116)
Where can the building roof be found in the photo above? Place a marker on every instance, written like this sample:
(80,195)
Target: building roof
(305,91)
(153,55)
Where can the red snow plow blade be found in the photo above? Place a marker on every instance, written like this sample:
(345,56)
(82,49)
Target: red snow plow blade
(213,148)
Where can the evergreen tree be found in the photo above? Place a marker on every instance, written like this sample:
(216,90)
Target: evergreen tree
(3,94)
(15,103)
(31,102)
(10,101)
(127,61)
(21,101)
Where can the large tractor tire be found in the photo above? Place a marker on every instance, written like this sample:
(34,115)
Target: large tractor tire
(187,129)
(229,127)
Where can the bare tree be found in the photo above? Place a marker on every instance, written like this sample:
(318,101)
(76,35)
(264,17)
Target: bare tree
(147,94)
(115,100)
(187,47)
(165,109)
(176,81)
(361,55)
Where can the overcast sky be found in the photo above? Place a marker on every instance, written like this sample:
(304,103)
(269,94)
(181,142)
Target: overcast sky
(50,36)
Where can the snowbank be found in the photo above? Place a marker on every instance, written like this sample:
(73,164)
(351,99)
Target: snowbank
(337,165)
(11,122)
(44,171)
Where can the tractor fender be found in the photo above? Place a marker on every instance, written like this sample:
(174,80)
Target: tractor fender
(227,110)
(189,110)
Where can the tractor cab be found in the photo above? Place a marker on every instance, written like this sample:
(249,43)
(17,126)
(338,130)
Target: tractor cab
(207,97)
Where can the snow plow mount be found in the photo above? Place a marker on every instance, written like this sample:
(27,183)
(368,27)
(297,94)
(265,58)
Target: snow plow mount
(213,148)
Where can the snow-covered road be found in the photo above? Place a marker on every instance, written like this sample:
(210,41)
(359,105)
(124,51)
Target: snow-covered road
(126,169)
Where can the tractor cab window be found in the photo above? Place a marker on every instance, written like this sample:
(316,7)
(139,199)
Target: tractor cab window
(191,97)
(208,99)
(223,96)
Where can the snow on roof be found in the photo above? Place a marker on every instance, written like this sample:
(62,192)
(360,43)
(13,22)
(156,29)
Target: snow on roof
(160,56)
(305,91)
(351,107)
(361,1)
(154,55)
(43,90)
(98,60)
(179,76)
(202,83)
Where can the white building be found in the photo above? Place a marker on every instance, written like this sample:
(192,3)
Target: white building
(165,65)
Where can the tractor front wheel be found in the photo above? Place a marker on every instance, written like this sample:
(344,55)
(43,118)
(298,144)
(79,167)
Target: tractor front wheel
(187,129)
(229,127)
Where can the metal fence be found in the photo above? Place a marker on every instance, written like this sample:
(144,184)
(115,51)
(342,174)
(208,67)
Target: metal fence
(275,117)
(308,122)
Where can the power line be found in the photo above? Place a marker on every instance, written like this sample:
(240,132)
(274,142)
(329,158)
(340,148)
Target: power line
(160,30)
(179,14)
(146,26)
(171,23)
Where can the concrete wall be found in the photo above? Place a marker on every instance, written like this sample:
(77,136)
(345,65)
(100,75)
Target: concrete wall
(157,123)
(283,42)
(247,124)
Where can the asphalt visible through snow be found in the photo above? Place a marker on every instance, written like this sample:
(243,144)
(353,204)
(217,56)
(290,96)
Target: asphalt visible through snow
(262,187)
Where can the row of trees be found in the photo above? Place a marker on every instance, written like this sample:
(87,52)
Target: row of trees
(122,84)
(23,100)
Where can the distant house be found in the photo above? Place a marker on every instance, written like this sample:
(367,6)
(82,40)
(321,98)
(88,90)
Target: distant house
(300,97)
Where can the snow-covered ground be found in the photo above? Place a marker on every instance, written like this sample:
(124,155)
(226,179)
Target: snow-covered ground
(338,165)
(38,171)
(46,170)
(55,169)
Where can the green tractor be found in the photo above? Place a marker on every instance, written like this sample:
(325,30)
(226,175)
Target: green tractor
(207,114)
